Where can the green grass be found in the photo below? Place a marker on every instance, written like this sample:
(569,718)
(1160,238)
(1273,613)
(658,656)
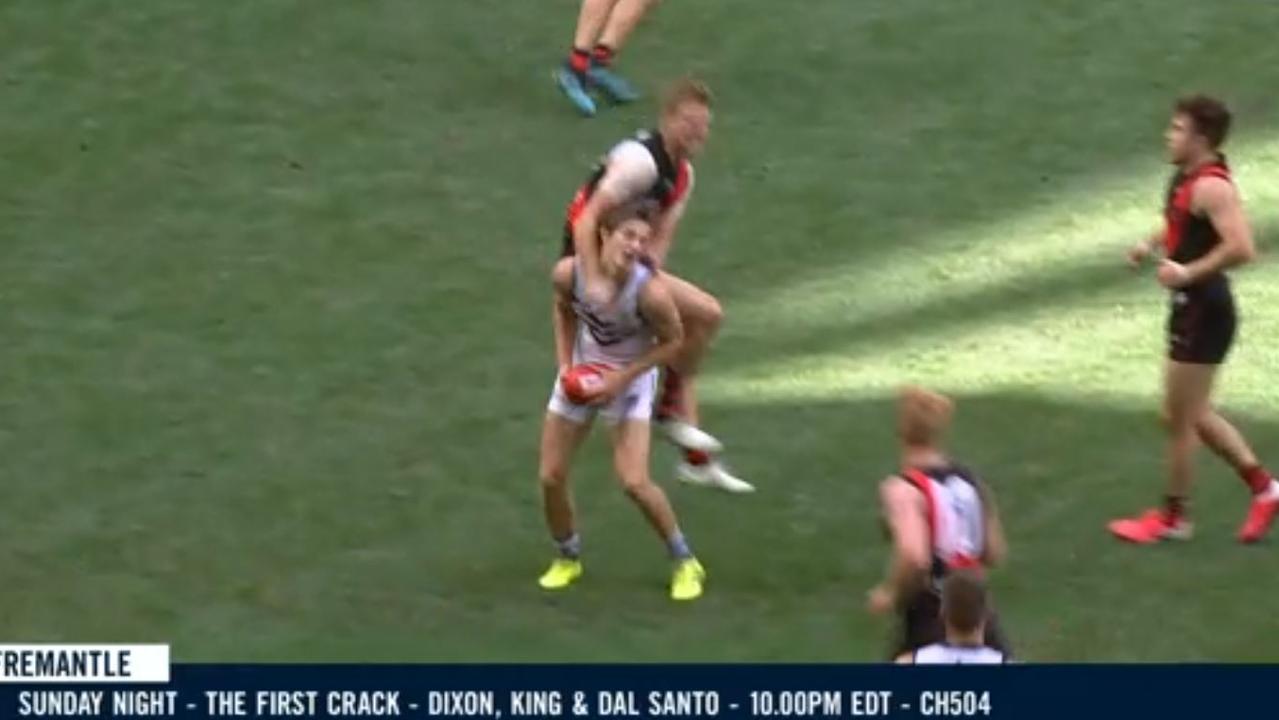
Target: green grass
(276,343)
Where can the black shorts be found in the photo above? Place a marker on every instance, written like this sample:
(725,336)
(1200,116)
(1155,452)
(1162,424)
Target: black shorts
(921,626)
(1201,327)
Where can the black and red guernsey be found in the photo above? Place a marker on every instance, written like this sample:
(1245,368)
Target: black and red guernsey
(1187,236)
(669,188)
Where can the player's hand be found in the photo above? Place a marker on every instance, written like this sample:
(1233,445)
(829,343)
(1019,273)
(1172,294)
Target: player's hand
(1138,253)
(613,385)
(1172,275)
(880,600)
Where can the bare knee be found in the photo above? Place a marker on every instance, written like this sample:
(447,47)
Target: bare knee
(553,476)
(702,324)
(635,485)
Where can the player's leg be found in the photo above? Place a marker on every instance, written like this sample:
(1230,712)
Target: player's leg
(678,408)
(701,314)
(1187,390)
(622,21)
(1229,444)
(1225,440)
(919,623)
(571,76)
(1213,344)
(1187,387)
(563,430)
(631,439)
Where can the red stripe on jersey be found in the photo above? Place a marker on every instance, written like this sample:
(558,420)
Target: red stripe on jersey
(678,192)
(578,204)
(925,485)
(1178,212)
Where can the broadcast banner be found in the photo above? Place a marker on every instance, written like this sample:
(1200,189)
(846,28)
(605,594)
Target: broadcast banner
(126,682)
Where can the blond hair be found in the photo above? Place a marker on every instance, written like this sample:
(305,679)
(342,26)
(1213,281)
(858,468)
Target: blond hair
(686,90)
(923,415)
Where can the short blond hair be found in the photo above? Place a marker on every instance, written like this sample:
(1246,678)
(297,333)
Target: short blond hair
(923,415)
(686,90)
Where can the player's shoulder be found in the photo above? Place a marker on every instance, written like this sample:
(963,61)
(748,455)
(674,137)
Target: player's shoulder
(896,488)
(562,272)
(1214,190)
(637,146)
(631,158)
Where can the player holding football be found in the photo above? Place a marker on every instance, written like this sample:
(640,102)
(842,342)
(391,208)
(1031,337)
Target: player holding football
(1205,234)
(602,27)
(964,612)
(634,334)
(941,518)
(656,165)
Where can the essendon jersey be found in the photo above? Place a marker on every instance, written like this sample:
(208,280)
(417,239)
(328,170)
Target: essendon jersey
(956,517)
(669,183)
(1187,236)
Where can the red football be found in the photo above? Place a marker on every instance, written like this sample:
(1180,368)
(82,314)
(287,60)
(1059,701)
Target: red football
(581,381)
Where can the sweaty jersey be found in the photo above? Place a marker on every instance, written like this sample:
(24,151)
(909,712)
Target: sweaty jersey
(943,654)
(1187,236)
(636,168)
(616,334)
(956,518)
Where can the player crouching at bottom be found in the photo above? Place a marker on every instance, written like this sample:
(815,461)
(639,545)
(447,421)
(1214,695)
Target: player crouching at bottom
(964,613)
(632,335)
(941,519)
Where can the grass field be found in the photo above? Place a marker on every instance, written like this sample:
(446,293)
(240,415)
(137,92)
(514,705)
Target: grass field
(276,341)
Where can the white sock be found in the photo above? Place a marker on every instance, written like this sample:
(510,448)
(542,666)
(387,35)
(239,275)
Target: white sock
(1271,493)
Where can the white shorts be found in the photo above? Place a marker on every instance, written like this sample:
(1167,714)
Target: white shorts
(634,403)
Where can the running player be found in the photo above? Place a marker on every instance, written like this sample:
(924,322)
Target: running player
(964,612)
(602,27)
(1205,234)
(656,165)
(941,518)
(637,332)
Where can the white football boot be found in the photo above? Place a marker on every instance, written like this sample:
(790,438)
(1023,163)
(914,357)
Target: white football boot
(712,474)
(689,437)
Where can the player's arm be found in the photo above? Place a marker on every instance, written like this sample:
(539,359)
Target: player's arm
(995,546)
(629,170)
(658,310)
(1219,201)
(1151,245)
(563,321)
(904,514)
(664,233)
(905,659)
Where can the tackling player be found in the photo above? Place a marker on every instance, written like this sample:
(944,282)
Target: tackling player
(656,165)
(941,518)
(602,27)
(637,332)
(1205,233)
